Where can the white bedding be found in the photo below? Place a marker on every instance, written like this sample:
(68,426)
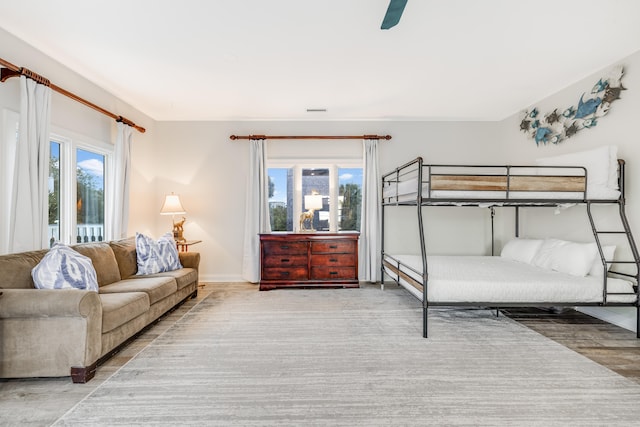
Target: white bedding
(499,280)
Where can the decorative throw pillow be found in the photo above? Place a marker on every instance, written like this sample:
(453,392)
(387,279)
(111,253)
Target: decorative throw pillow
(567,257)
(64,268)
(156,256)
(522,250)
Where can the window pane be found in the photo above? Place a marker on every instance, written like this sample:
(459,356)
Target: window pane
(350,198)
(90,197)
(316,182)
(281,199)
(54,193)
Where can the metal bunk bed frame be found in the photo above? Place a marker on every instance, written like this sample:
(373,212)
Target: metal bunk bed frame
(417,166)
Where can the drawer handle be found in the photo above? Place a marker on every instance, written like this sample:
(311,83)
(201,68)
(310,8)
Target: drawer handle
(284,260)
(284,247)
(333,246)
(333,272)
(333,260)
(284,273)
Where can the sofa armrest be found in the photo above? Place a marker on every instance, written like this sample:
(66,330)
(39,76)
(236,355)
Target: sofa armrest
(49,333)
(190,259)
(49,302)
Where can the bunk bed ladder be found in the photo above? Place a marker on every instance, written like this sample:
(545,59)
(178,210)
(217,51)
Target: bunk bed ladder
(632,246)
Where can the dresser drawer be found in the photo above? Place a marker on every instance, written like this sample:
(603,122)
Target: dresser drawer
(333,246)
(331,260)
(333,273)
(289,273)
(274,248)
(285,260)
(308,260)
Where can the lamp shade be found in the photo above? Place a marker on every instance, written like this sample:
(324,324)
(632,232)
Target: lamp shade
(313,201)
(172,205)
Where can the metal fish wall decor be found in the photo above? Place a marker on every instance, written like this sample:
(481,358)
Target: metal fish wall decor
(558,125)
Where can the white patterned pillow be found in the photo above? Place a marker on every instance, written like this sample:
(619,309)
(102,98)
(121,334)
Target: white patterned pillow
(156,256)
(64,268)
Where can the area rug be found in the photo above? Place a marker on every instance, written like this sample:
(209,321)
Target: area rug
(353,357)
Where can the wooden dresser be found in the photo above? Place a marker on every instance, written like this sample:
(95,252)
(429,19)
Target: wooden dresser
(308,259)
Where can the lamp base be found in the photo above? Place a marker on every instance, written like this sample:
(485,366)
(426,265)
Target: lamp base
(307,217)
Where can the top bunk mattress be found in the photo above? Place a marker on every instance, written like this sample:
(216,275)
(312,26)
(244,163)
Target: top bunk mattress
(483,279)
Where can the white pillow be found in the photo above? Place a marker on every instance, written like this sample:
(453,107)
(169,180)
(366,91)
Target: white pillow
(567,257)
(596,161)
(522,250)
(64,268)
(596,268)
(612,182)
(156,256)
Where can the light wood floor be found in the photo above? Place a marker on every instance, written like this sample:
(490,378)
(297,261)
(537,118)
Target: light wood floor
(604,343)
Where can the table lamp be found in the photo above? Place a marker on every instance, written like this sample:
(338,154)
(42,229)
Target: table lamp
(173,206)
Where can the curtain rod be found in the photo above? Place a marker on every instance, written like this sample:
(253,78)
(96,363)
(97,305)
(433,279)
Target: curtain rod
(15,71)
(235,137)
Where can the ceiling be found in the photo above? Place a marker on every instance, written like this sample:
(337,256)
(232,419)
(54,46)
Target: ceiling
(273,60)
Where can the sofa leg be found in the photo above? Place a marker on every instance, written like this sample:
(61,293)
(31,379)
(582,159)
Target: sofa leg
(81,375)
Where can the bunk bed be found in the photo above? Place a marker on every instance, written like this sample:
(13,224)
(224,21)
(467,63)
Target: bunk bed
(528,272)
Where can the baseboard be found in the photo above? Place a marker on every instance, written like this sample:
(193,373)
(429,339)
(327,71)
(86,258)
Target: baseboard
(220,278)
(625,317)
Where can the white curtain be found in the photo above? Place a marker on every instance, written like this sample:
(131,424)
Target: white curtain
(257,210)
(370,226)
(118,217)
(28,213)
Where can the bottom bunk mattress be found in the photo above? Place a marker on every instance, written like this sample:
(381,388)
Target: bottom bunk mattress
(493,279)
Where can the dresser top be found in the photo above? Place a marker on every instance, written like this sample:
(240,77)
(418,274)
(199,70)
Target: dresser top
(311,235)
(319,234)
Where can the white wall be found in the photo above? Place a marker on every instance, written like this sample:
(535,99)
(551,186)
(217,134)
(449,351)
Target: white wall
(618,127)
(209,171)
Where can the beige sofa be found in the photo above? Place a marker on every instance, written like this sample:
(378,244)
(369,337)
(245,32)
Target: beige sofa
(62,332)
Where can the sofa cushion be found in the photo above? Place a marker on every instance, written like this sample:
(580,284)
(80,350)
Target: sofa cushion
(104,261)
(125,252)
(156,256)
(64,268)
(119,308)
(156,287)
(183,277)
(16,268)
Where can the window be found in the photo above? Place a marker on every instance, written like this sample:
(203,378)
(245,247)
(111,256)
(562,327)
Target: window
(331,192)
(350,198)
(316,194)
(77,190)
(89,196)
(281,199)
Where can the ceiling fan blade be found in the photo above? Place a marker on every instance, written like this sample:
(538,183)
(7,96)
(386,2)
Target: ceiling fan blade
(394,12)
